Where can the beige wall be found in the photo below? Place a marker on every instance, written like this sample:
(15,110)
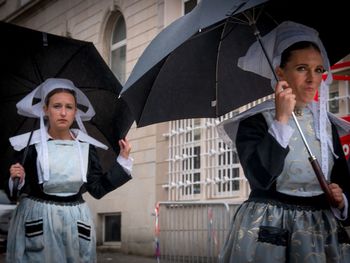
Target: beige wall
(92,20)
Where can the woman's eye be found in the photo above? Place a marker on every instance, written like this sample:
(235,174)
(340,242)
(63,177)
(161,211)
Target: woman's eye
(301,68)
(320,70)
(57,106)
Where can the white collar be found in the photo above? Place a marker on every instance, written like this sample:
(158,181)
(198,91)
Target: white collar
(19,142)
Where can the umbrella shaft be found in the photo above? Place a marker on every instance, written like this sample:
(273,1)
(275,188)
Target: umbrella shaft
(316,167)
(302,135)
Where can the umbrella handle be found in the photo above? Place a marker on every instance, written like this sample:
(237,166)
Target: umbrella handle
(16,179)
(15,187)
(321,179)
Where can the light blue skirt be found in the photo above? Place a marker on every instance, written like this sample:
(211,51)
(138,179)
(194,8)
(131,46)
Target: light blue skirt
(263,232)
(45,232)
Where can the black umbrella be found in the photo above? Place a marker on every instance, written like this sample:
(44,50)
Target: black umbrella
(190,69)
(197,75)
(28,57)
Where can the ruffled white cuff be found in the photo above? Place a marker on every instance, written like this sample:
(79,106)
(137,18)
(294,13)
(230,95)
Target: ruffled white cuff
(20,185)
(281,132)
(126,163)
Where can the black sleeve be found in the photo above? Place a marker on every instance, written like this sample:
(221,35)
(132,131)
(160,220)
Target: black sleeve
(16,158)
(261,156)
(340,173)
(100,183)
(29,165)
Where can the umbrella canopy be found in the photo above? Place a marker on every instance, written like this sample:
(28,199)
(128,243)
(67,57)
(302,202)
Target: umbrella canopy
(28,57)
(190,69)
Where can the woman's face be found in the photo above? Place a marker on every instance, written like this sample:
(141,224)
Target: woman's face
(303,72)
(61,111)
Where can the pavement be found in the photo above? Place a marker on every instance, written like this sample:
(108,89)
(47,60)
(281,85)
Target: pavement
(112,257)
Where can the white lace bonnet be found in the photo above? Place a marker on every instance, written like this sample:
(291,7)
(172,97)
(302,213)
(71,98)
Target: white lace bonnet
(25,107)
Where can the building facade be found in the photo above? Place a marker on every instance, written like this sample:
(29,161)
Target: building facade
(181,160)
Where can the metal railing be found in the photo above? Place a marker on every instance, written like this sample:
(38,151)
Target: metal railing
(192,231)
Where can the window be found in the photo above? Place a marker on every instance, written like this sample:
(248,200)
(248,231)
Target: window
(339,98)
(185,158)
(191,175)
(334,102)
(112,228)
(201,166)
(118,49)
(223,177)
(227,174)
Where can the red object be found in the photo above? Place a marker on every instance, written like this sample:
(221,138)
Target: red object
(337,77)
(341,65)
(345,141)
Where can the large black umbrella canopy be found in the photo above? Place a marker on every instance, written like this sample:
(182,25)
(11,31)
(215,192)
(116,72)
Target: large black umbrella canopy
(190,69)
(28,57)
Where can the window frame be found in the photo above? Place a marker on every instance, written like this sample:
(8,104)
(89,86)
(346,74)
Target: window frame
(111,243)
(118,45)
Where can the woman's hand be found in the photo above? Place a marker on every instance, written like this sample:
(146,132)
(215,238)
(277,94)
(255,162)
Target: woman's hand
(337,194)
(284,102)
(125,148)
(17,170)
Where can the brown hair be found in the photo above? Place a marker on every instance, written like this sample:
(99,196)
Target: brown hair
(286,54)
(59,90)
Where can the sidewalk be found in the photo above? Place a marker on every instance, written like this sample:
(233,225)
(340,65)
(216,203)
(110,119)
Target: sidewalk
(115,257)
(112,257)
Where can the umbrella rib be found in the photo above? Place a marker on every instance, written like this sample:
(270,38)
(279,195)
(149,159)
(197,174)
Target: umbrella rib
(37,70)
(13,98)
(69,60)
(208,29)
(20,79)
(149,94)
(217,71)
(19,126)
(250,16)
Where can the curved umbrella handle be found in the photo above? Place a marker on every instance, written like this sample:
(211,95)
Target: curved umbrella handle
(321,179)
